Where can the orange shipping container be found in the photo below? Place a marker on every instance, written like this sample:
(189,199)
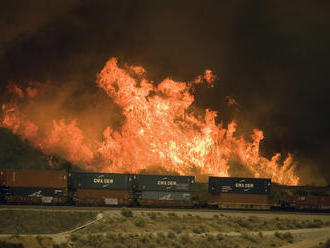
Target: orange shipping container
(34,178)
(102,197)
(239,198)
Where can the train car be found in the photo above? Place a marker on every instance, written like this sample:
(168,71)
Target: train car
(163,190)
(34,186)
(239,193)
(111,189)
(296,202)
(101,188)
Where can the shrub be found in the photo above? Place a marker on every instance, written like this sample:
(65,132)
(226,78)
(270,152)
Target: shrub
(249,237)
(220,236)
(171,235)
(199,229)
(111,236)
(161,235)
(176,228)
(198,217)
(185,238)
(152,215)
(299,225)
(278,235)
(144,239)
(54,246)
(177,245)
(110,221)
(280,226)
(121,237)
(139,222)
(326,244)
(119,246)
(210,238)
(288,237)
(106,245)
(126,212)
(74,237)
(285,236)
(172,215)
(95,240)
(314,225)
(254,219)
(243,223)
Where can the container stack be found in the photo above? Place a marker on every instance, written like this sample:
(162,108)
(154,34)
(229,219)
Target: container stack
(101,188)
(163,190)
(29,186)
(234,192)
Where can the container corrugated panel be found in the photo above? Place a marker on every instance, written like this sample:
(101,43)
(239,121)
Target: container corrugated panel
(35,191)
(165,203)
(113,181)
(164,183)
(239,198)
(239,185)
(35,199)
(102,197)
(309,202)
(35,178)
(325,200)
(161,195)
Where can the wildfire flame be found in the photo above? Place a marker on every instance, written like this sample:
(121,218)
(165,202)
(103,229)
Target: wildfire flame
(160,129)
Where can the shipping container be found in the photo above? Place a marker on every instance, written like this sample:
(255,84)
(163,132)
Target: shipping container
(162,195)
(35,191)
(239,198)
(163,183)
(2,194)
(24,199)
(240,201)
(165,203)
(112,181)
(34,178)
(309,202)
(35,195)
(102,197)
(239,185)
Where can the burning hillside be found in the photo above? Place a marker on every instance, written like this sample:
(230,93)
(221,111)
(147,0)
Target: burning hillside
(159,128)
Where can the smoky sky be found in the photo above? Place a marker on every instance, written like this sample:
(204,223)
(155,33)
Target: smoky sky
(272,57)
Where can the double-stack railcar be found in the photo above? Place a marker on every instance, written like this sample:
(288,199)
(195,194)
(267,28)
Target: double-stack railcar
(34,186)
(100,188)
(296,202)
(163,190)
(239,193)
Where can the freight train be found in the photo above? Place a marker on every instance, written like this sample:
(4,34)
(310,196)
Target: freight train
(66,187)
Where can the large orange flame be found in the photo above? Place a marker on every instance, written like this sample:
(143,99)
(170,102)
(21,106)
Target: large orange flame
(160,129)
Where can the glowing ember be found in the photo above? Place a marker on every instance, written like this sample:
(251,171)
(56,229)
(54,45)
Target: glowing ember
(159,130)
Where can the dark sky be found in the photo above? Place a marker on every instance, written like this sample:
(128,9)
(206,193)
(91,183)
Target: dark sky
(271,56)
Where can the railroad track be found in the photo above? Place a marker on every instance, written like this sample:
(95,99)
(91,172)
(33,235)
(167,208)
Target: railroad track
(140,209)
